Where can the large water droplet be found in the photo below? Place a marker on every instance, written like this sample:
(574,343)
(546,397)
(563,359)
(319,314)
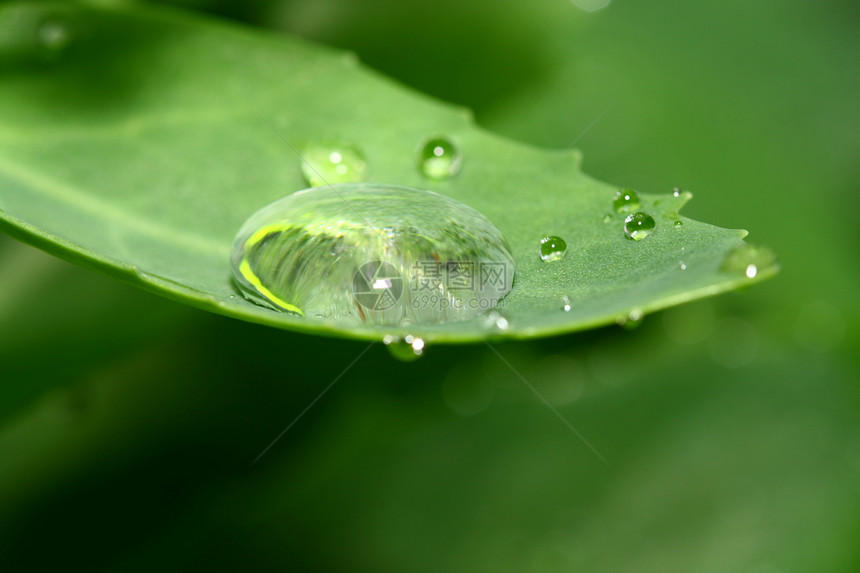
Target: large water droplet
(439,158)
(552,248)
(749,260)
(637,226)
(375,254)
(626,200)
(332,162)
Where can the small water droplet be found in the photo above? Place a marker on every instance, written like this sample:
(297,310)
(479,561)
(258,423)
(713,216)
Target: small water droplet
(565,303)
(439,158)
(637,226)
(407,349)
(332,162)
(682,265)
(496,320)
(677,224)
(552,248)
(468,389)
(631,320)
(749,260)
(405,256)
(626,201)
(607,218)
(676,192)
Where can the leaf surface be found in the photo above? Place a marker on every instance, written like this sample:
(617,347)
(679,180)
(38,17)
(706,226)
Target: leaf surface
(141,144)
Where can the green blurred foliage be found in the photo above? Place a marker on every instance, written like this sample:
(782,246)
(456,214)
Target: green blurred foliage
(129,423)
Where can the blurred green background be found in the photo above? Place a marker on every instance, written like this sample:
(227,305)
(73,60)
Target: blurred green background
(128,423)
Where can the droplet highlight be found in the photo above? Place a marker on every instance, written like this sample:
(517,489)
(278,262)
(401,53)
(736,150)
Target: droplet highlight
(439,158)
(637,226)
(631,320)
(495,320)
(626,201)
(406,349)
(333,162)
(372,254)
(565,303)
(552,249)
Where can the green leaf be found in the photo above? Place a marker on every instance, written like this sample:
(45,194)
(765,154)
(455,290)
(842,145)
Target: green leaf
(140,141)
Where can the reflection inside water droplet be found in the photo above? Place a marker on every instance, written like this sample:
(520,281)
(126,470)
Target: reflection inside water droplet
(372,254)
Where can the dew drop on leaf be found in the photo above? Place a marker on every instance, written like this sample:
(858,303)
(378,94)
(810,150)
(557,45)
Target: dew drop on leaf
(676,192)
(677,224)
(631,320)
(565,303)
(439,158)
(552,249)
(626,201)
(495,320)
(368,253)
(637,226)
(749,260)
(332,162)
(607,218)
(406,349)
